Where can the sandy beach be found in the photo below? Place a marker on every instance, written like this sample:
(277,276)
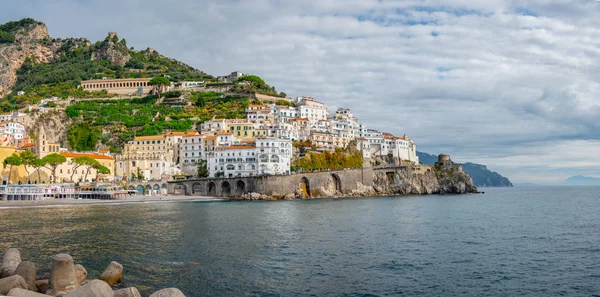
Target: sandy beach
(128,200)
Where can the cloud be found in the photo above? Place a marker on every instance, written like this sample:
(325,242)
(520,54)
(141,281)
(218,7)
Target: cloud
(499,82)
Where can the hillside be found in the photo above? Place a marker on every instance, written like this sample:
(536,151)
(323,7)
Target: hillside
(42,67)
(481,175)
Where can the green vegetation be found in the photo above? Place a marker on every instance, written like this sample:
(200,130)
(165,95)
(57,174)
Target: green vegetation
(28,159)
(253,83)
(159,81)
(61,77)
(8,30)
(82,137)
(327,160)
(11,161)
(127,118)
(52,161)
(202,169)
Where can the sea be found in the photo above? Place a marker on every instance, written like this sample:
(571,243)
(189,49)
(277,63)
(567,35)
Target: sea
(522,241)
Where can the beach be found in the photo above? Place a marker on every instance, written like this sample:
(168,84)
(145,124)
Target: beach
(129,200)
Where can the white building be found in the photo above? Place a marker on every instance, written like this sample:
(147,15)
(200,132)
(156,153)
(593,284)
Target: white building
(15,131)
(274,155)
(231,161)
(284,114)
(312,109)
(375,143)
(267,157)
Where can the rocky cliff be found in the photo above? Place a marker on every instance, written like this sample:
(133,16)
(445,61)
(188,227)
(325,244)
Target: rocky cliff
(433,181)
(31,42)
(409,180)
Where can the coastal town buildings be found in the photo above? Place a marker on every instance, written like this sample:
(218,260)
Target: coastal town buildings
(267,156)
(312,109)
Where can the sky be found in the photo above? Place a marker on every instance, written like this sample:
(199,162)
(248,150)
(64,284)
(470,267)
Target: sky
(514,84)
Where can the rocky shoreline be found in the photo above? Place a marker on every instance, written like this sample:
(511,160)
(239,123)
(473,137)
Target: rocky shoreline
(438,180)
(19,278)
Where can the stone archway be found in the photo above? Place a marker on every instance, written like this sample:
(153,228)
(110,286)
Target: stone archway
(140,189)
(212,189)
(304,187)
(131,188)
(240,188)
(225,188)
(179,189)
(196,188)
(337,183)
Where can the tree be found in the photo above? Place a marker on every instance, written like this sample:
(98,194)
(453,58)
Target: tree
(82,137)
(52,161)
(37,164)
(282,94)
(27,159)
(202,169)
(139,175)
(92,163)
(11,161)
(101,169)
(78,162)
(160,82)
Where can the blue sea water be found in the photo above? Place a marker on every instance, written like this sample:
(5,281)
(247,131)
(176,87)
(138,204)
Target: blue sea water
(529,241)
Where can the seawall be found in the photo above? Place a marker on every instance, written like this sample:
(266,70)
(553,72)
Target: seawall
(404,180)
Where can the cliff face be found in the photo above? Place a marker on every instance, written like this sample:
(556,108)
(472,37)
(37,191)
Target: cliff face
(27,44)
(112,50)
(433,181)
(32,42)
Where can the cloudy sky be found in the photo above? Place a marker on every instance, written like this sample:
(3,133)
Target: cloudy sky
(511,84)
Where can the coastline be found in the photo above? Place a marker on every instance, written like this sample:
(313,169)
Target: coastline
(92,202)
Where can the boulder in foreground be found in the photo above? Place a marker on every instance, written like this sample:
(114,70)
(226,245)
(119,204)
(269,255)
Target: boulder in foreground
(112,274)
(10,262)
(95,288)
(169,292)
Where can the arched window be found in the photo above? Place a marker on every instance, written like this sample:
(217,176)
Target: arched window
(230,167)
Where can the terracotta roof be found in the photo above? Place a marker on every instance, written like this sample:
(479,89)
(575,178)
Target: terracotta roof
(210,137)
(94,156)
(155,137)
(192,135)
(234,147)
(103,151)
(181,133)
(28,145)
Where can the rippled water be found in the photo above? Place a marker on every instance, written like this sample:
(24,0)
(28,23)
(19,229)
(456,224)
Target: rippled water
(508,242)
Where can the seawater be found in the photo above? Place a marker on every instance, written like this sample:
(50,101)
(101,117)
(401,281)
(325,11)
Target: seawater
(508,242)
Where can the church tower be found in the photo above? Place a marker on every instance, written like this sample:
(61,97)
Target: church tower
(42,147)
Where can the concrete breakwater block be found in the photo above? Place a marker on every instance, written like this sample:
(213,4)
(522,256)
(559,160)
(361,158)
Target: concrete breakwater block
(112,274)
(169,292)
(28,271)
(11,282)
(62,275)
(127,292)
(16,292)
(94,288)
(80,274)
(10,262)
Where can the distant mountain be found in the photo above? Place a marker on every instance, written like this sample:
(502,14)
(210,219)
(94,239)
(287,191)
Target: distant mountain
(481,175)
(580,180)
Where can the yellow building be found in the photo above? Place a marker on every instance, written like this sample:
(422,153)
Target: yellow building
(18,173)
(65,170)
(244,129)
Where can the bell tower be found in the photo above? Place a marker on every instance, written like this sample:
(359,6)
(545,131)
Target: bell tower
(42,147)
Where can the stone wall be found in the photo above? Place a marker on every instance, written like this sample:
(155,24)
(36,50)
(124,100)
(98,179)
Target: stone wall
(403,180)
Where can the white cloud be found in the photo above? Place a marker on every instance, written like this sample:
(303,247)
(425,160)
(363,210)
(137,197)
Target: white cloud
(498,82)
